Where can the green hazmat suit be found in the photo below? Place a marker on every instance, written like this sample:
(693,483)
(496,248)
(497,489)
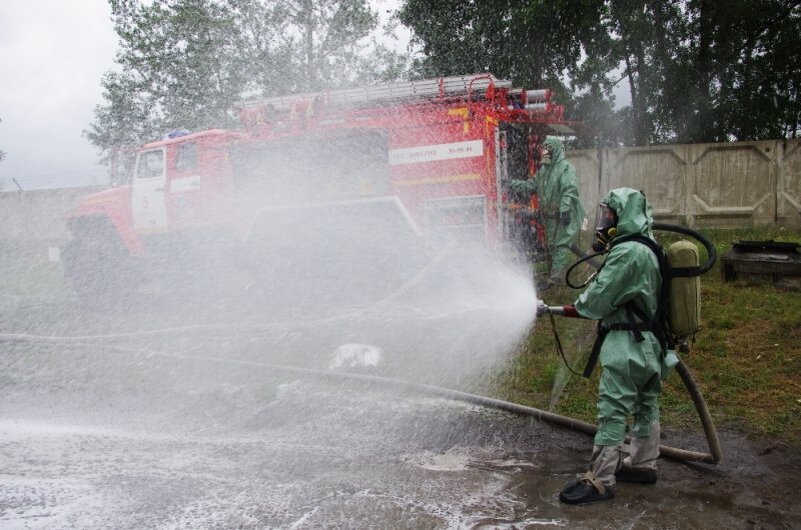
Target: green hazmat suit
(631,380)
(560,205)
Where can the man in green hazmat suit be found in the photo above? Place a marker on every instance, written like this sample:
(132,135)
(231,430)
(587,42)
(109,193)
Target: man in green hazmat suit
(560,206)
(624,296)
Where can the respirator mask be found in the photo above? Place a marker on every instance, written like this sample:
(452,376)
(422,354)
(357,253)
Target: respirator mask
(605,227)
(545,154)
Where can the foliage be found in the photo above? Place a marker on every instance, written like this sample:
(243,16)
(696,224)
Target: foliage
(696,70)
(185,64)
(528,42)
(703,71)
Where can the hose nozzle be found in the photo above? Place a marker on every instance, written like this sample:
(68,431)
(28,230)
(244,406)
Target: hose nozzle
(562,310)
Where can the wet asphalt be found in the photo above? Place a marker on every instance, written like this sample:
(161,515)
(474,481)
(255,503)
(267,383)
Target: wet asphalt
(160,421)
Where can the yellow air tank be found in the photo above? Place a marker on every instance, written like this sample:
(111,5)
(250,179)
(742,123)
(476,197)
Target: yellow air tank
(685,293)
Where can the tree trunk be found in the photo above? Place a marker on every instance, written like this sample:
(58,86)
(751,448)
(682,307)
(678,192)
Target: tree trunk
(702,131)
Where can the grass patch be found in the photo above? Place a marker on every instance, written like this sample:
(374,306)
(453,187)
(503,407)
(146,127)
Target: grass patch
(746,359)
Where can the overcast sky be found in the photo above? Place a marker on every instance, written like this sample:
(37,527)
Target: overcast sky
(53,54)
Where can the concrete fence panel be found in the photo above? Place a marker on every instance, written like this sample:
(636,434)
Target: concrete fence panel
(788,202)
(660,172)
(588,169)
(39,214)
(725,185)
(732,185)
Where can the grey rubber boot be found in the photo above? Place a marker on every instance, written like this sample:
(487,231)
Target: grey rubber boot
(639,466)
(606,460)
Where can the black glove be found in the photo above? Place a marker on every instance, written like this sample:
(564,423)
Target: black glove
(521,190)
(565,216)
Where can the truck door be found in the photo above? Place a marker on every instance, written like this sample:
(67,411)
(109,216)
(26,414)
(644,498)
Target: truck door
(516,159)
(149,209)
(183,191)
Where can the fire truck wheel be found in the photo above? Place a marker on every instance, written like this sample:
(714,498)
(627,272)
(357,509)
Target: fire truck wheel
(97,271)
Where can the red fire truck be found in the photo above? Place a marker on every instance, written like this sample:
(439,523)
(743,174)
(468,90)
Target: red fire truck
(318,176)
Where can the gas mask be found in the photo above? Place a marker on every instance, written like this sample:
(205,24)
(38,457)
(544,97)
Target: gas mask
(605,227)
(545,154)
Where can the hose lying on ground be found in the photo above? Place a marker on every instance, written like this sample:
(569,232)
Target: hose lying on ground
(577,425)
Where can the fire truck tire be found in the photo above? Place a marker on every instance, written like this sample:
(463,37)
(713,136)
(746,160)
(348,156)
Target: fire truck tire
(97,271)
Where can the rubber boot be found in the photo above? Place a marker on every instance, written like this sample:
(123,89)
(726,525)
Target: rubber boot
(639,467)
(599,483)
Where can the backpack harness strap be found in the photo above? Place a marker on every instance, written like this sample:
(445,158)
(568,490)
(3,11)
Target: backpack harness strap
(636,329)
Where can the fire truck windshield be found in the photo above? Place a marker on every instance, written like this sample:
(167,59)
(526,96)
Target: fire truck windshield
(151,164)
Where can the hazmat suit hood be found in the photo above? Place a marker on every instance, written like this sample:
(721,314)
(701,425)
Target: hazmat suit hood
(634,212)
(557,148)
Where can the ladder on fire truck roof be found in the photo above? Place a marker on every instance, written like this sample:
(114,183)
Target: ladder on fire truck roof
(403,91)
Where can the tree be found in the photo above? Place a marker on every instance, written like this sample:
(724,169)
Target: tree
(755,69)
(306,45)
(185,64)
(531,43)
(696,70)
